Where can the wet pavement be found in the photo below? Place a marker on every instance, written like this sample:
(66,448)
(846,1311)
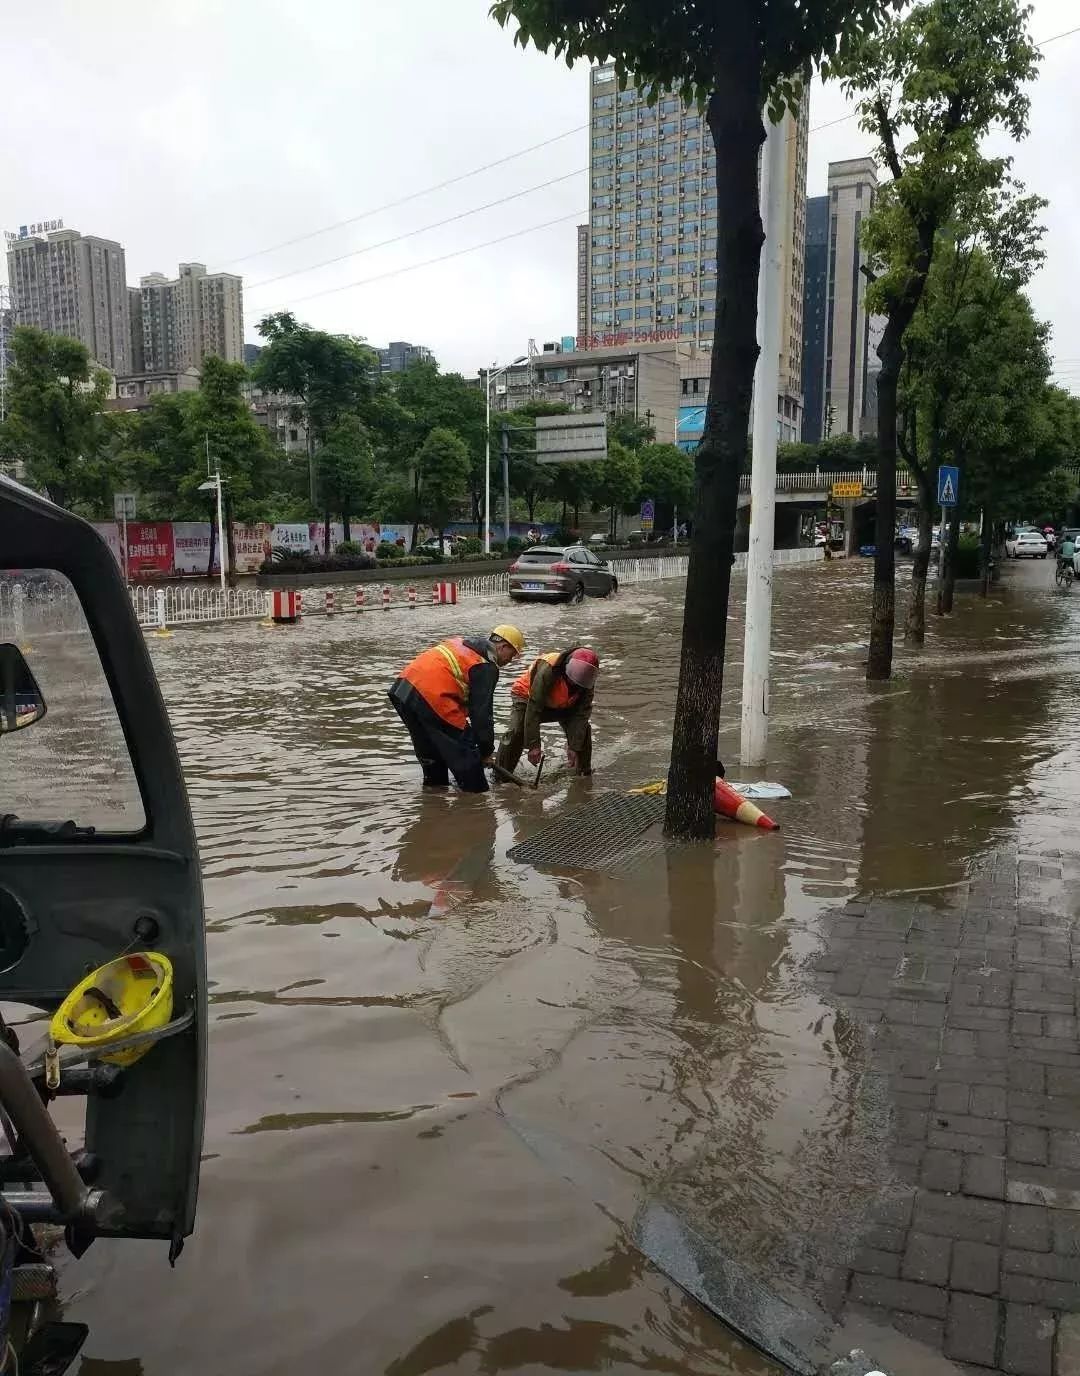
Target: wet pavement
(429,1143)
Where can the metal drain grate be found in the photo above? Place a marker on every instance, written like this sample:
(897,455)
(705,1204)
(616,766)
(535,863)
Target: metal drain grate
(608,834)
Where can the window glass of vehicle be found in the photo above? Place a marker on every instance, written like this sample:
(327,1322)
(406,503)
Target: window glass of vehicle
(73,763)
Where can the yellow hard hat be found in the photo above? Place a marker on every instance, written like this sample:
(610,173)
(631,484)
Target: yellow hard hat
(511,635)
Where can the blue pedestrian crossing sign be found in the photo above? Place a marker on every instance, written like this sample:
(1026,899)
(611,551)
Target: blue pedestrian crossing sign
(948,485)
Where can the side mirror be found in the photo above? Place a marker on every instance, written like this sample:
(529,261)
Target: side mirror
(21,701)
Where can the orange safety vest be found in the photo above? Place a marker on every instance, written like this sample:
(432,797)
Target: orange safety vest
(441,677)
(561,696)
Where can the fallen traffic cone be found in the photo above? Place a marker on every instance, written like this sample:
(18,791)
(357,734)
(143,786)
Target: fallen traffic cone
(728,803)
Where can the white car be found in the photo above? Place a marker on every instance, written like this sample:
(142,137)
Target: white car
(1027,544)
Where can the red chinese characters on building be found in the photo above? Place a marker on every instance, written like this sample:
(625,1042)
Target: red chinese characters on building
(150,548)
(621,338)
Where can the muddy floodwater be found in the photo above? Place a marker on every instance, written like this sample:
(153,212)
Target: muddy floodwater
(427,1135)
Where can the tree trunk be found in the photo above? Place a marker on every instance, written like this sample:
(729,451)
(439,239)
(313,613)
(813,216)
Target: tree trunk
(947,584)
(563,522)
(346,528)
(326,534)
(530,502)
(735,122)
(915,629)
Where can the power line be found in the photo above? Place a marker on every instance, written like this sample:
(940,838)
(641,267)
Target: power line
(412,196)
(409,234)
(430,262)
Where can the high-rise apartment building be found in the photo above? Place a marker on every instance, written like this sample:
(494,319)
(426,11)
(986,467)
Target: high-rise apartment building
(651,271)
(848,361)
(138,348)
(398,355)
(582,280)
(815,313)
(73,284)
(190,317)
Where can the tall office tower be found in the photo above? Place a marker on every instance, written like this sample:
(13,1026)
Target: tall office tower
(72,284)
(815,301)
(653,223)
(847,398)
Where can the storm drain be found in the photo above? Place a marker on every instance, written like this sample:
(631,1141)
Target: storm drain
(609,834)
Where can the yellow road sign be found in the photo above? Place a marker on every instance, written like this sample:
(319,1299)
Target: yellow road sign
(846,491)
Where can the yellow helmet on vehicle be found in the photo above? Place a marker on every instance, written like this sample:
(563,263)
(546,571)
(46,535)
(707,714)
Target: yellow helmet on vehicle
(511,635)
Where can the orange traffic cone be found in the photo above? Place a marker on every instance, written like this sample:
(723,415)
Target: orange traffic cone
(728,803)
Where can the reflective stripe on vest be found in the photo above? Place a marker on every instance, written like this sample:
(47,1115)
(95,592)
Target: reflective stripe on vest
(560,697)
(441,677)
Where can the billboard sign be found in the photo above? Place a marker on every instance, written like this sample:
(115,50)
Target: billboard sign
(32,231)
(149,548)
(571,439)
(191,547)
(648,514)
(251,546)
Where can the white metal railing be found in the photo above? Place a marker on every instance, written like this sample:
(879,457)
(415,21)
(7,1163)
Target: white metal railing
(185,605)
(34,607)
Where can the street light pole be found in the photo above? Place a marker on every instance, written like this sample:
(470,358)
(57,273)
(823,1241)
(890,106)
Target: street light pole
(492,374)
(759,560)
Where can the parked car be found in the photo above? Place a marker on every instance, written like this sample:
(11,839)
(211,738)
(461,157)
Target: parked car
(1027,544)
(598,541)
(550,573)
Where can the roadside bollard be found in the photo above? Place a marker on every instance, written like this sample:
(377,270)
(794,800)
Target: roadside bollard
(412,599)
(386,599)
(284,607)
(329,602)
(19,615)
(359,599)
(161,628)
(299,604)
(435,598)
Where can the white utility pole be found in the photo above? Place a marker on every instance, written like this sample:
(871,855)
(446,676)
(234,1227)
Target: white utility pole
(213,484)
(492,374)
(759,563)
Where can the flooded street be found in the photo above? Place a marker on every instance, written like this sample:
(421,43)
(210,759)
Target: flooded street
(428,1135)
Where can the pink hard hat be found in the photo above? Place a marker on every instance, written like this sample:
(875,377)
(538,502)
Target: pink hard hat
(582,668)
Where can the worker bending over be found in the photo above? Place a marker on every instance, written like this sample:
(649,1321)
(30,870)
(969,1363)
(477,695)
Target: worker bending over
(557,687)
(444,697)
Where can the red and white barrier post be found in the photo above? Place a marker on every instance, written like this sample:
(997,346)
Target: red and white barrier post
(284,606)
(299,605)
(444,594)
(386,599)
(412,598)
(329,602)
(359,599)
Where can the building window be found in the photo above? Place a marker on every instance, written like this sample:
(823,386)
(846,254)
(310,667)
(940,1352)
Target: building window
(643,313)
(623,314)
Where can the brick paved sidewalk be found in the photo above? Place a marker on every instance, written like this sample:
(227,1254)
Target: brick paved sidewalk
(970,1014)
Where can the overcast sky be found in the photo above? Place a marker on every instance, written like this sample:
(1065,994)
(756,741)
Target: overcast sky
(211,131)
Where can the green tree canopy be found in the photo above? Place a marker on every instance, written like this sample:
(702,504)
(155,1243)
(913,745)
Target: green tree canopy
(442,472)
(55,397)
(930,84)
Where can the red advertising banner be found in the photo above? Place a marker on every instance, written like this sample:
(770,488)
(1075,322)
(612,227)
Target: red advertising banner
(150,548)
(619,338)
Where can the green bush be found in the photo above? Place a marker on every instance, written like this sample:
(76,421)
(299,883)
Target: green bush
(385,550)
(562,536)
(350,547)
(498,546)
(515,544)
(967,557)
(472,544)
(306,563)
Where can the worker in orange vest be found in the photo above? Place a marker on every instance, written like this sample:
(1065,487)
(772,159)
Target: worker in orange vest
(444,697)
(556,687)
